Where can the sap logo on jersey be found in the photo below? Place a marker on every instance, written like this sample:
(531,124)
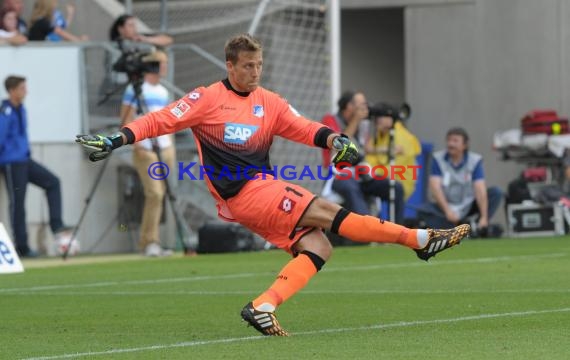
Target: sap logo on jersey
(238,133)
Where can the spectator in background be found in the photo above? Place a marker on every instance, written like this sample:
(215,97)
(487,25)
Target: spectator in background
(124,29)
(61,21)
(457,183)
(9,33)
(19,169)
(18,6)
(406,147)
(352,109)
(155,97)
(41,23)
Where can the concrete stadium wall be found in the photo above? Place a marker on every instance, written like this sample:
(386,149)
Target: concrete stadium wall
(481,64)
(382,53)
(66,159)
(55,115)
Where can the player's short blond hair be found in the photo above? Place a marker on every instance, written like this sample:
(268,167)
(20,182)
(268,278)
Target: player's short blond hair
(241,42)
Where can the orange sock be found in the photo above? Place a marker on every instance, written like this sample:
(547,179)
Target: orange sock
(292,278)
(364,228)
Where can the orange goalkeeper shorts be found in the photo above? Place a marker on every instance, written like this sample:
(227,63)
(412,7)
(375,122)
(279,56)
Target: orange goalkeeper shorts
(272,208)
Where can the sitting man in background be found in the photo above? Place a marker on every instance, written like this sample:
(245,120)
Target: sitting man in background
(405,149)
(352,109)
(457,183)
(19,169)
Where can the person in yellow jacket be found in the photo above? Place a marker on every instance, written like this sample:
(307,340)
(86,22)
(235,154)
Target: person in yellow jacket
(405,149)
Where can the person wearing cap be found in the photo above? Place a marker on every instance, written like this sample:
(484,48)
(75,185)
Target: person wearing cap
(155,97)
(457,184)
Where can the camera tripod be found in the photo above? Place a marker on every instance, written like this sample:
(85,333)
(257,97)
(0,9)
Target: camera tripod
(392,180)
(185,234)
(397,113)
(391,163)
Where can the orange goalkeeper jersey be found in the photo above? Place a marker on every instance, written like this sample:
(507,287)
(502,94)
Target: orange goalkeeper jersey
(233,131)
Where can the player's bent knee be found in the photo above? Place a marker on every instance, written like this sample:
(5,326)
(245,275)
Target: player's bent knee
(315,242)
(320,214)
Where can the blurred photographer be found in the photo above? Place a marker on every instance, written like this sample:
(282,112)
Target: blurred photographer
(352,110)
(124,29)
(155,97)
(133,45)
(405,147)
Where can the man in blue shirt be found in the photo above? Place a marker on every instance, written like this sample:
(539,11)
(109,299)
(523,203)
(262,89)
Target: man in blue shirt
(457,183)
(19,169)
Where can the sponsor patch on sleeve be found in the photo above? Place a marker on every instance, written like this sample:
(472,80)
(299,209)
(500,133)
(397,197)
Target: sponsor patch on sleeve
(194,96)
(180,109)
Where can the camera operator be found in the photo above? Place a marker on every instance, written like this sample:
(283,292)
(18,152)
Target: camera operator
(352,110)
(155,97)
(406,145)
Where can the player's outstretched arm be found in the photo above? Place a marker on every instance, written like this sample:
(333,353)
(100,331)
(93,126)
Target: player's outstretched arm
(293,126)
(182,113)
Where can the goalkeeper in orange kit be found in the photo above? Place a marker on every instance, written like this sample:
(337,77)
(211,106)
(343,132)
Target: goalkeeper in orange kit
(234,122)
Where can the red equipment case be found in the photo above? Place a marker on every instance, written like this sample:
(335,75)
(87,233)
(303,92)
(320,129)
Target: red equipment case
(544,122)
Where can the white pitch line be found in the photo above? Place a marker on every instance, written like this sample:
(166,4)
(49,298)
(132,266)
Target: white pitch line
(311,332)
(134,282)
(305,292)
(485,260)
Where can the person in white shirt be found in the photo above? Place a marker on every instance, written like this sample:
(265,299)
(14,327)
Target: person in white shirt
(155,97)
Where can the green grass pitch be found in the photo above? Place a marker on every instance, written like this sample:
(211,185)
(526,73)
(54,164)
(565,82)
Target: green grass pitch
(487,299)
